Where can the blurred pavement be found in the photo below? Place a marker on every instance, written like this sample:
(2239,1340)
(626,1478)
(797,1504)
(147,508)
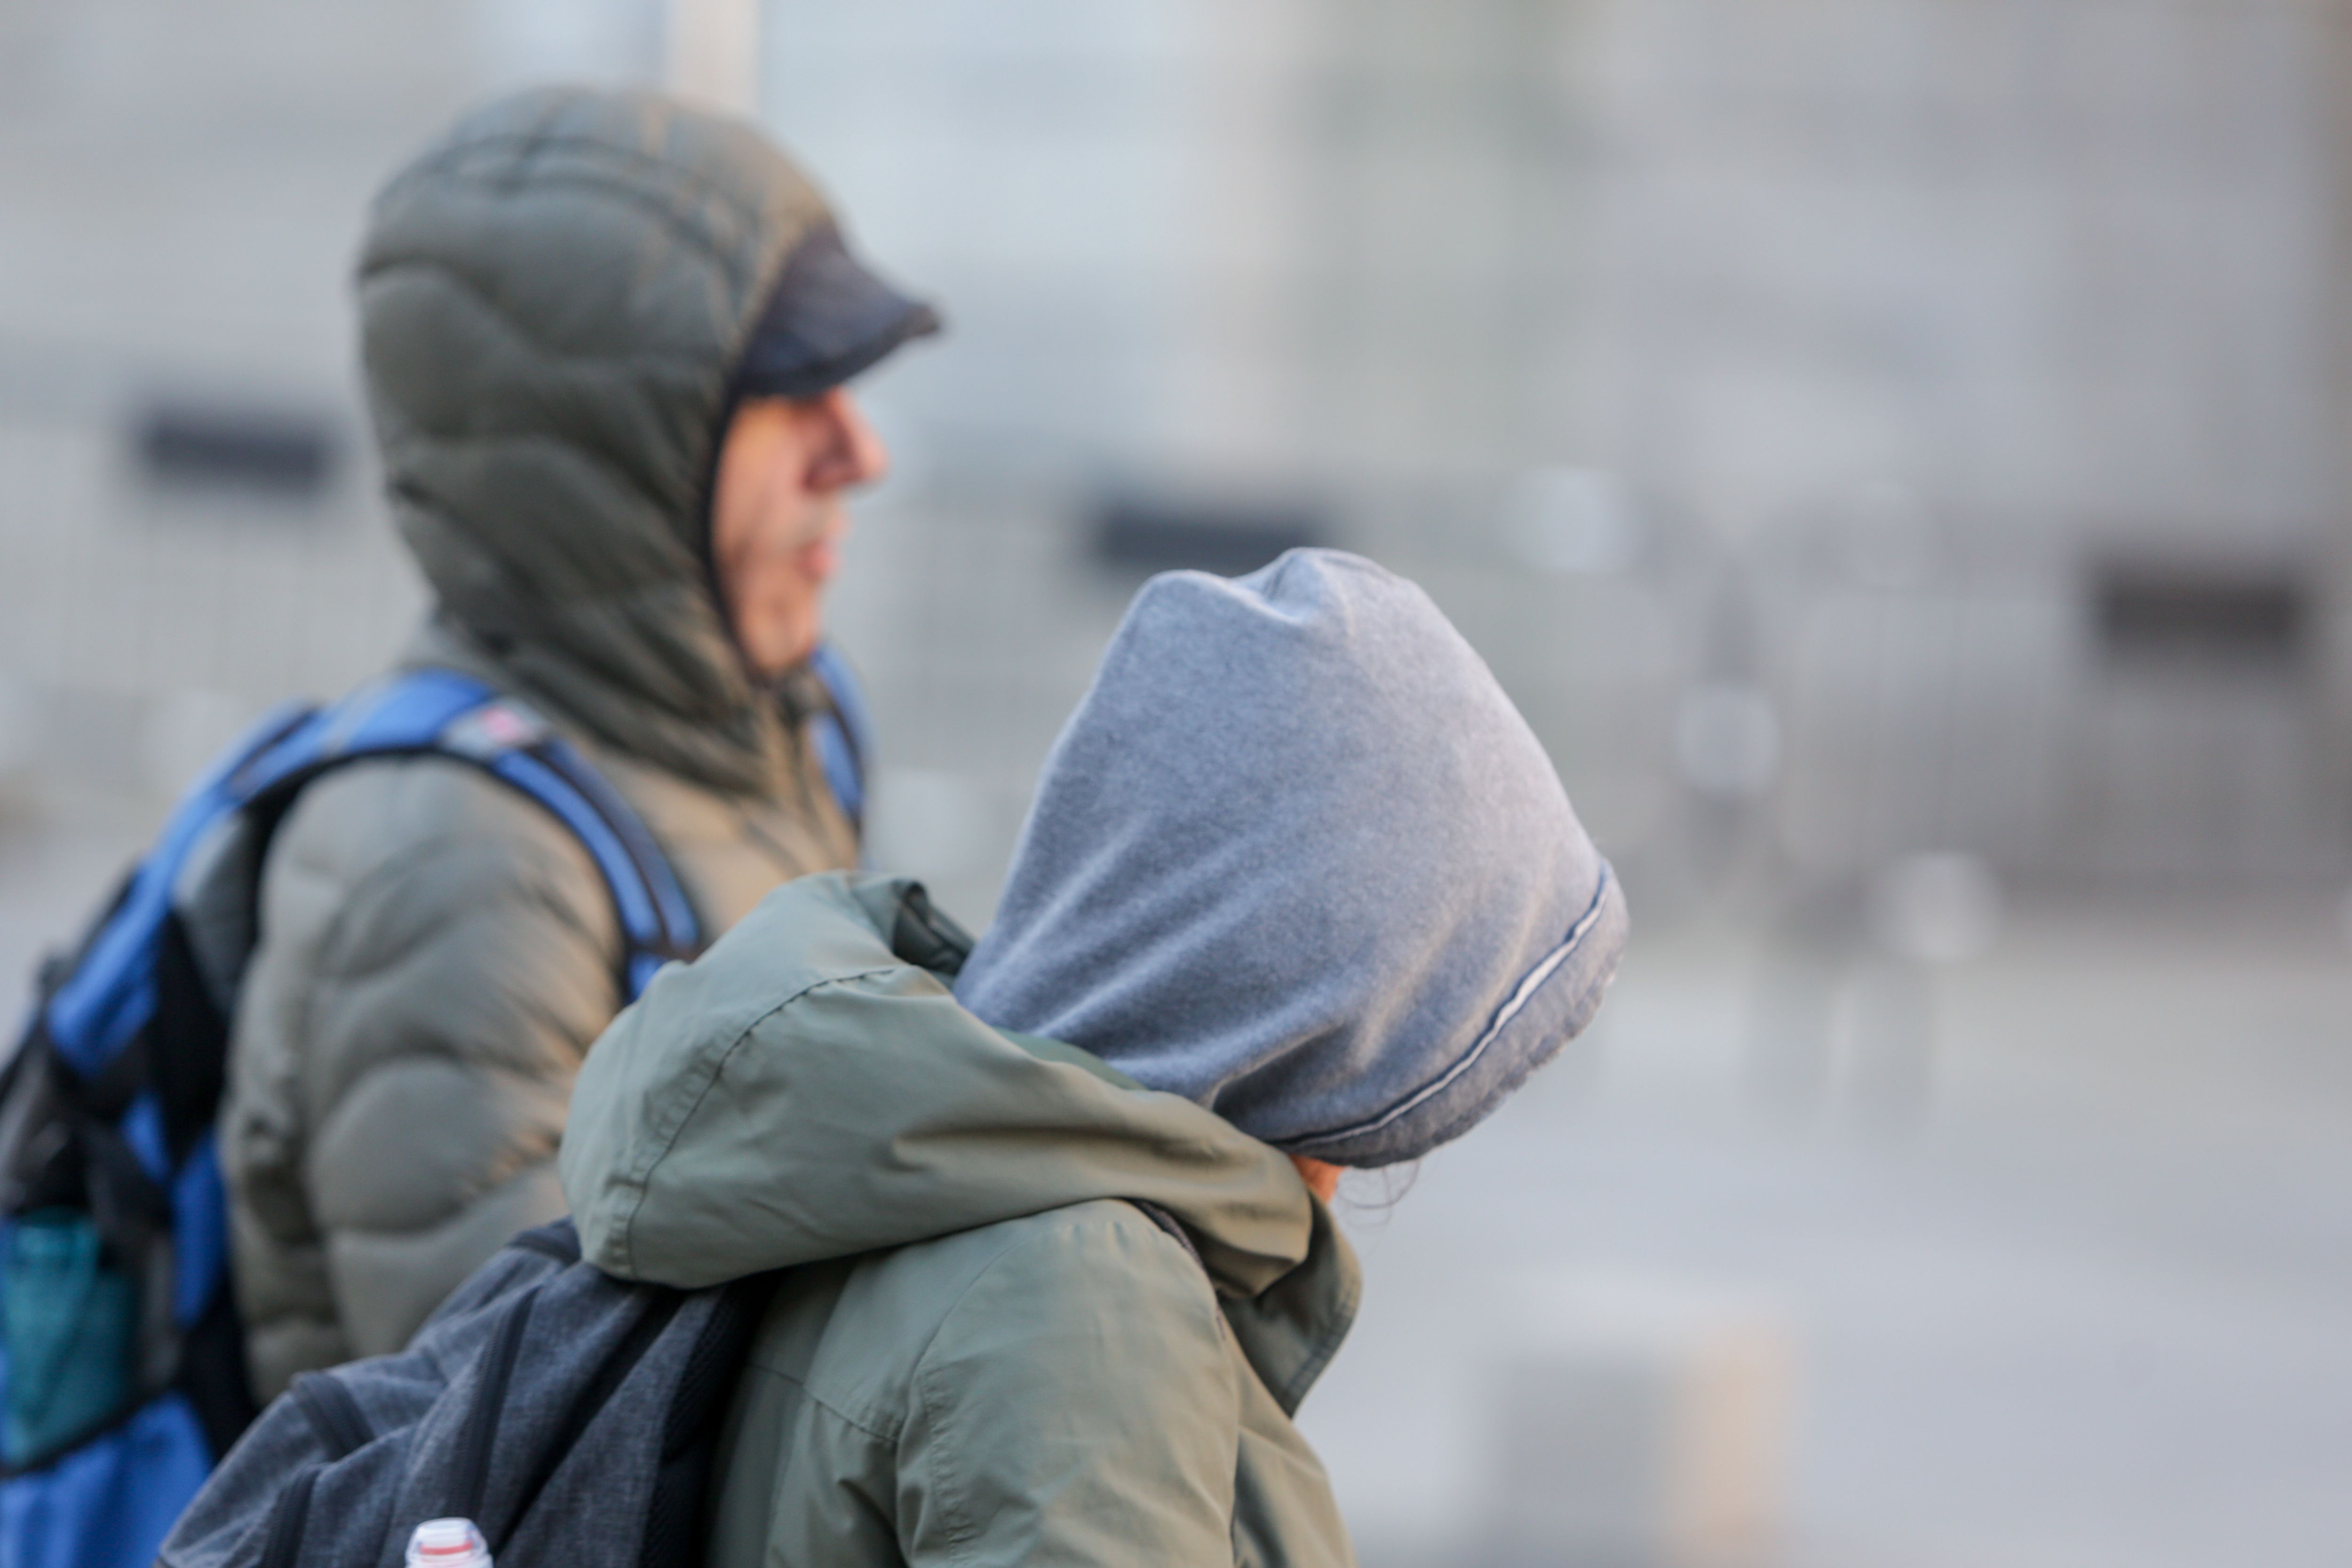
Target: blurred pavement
(2090,1306)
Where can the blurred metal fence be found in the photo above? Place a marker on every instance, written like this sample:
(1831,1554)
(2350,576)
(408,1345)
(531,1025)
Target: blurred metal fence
(143,620)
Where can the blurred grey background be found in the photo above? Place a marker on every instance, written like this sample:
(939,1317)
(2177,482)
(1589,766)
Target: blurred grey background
(1891,450)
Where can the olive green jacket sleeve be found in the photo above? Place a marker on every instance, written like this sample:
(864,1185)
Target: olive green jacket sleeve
(1053,1424)
(436,955)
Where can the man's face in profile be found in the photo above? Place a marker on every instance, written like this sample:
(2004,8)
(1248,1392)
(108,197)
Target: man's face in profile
(777,517)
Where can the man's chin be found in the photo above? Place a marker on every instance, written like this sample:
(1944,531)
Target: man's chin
(805,648)
(785,659)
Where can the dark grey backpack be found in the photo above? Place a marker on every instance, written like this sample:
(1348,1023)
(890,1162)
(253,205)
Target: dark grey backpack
(571,1416)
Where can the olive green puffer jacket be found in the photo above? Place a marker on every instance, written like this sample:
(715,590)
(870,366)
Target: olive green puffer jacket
(552,300)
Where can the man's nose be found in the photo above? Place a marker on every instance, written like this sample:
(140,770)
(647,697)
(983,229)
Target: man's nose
(853,452)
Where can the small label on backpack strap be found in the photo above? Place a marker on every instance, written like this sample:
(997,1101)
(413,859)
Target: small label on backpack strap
(493,729)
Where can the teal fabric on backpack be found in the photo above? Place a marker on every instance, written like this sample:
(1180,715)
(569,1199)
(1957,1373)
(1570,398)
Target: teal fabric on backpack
(69,1324)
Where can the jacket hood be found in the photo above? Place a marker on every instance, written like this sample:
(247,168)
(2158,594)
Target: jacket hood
(553,300)
(1298,858)
(803,1092)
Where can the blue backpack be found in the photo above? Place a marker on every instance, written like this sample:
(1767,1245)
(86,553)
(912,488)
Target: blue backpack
(122,1377)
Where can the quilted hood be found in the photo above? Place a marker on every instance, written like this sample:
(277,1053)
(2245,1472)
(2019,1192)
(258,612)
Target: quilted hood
(553,300)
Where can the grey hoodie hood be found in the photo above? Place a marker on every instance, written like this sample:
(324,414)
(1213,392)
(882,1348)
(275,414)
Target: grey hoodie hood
(1299,859)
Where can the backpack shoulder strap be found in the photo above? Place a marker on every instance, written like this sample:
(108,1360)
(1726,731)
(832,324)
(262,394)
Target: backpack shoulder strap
(444,713)
(106,991)
(845,736)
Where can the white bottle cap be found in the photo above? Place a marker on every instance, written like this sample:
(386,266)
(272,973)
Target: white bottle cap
(448,1544)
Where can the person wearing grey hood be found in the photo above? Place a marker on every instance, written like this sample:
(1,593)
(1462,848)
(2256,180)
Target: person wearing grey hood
(1299,890)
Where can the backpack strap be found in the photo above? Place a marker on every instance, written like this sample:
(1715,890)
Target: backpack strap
(108,990)
(443,713)
(844,734)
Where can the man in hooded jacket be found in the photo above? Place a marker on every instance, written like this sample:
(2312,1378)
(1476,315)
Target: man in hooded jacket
(1299,890)
(605,339)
